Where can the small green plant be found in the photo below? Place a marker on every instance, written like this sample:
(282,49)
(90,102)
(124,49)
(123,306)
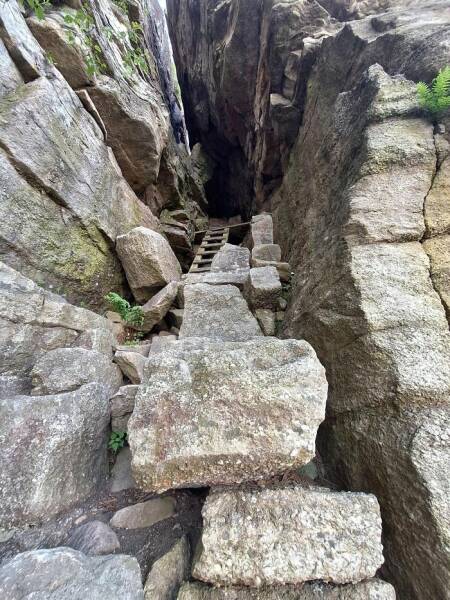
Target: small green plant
(137,337)
(435,98)
(134,315)
(117,440)
(36,6)
(83,20)
(122,4)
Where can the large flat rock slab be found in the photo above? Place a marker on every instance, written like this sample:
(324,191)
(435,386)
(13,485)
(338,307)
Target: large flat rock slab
(217,312)
(211,412)
(63,573)
(289,536)
(374,589)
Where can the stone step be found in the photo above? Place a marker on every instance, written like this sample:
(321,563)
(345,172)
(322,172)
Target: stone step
(374,589)
(289,536)
(230,265)
(217,312)
(212,412)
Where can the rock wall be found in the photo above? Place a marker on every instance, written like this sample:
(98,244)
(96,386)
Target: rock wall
(323,113)
(87,150)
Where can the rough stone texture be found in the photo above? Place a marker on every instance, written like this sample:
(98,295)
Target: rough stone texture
(121,476)
(144,514)
(63,573)
(74,199)
(217,312)
(263,288)
(283,268)
(132,365)
(238,411)
(156,308)
(290,535)
(122,405)
(266,320)
(269,252)
(54,452)
(231,265)
(374,589)
(65,369)
(34,322)
(231,258)
(261,230)
(168,572)
(94,538)
(99,340)
(350,215)
(148,260)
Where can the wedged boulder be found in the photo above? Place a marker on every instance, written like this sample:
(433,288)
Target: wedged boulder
(261,230)
(217,312)
(54,452)
(156,308)
(283,268)
(98,340)
(52,33)
(122,405)
(144,514)
(168,572)
(288,536)
(62,573)
(266,319)
(94,538)
(121,475)
(270,252)
(238,411)
(263,288)
(131,364)
(373,589)
(65,369)
(148,260)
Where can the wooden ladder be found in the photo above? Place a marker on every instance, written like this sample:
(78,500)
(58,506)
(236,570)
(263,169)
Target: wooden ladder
(212,242)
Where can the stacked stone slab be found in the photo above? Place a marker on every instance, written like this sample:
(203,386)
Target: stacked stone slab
(264,252)
(225,406)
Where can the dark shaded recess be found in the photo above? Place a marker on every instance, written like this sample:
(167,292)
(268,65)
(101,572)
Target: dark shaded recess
(230,190)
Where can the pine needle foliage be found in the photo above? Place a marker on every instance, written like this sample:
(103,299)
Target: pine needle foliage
(133,315)
(435,98)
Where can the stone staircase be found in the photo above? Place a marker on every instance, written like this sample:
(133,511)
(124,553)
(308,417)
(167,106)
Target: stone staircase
(227,407)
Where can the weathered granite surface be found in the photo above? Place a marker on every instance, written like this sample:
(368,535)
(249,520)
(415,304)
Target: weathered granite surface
(288,536)
(373,589)
(54,452)
(63,573)
(217,312)
(211,412)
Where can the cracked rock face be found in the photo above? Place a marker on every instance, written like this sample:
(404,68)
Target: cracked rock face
(63,573)
(289,536)
(211,412)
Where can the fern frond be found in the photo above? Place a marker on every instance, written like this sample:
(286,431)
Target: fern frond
(441,83)
(435,98)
